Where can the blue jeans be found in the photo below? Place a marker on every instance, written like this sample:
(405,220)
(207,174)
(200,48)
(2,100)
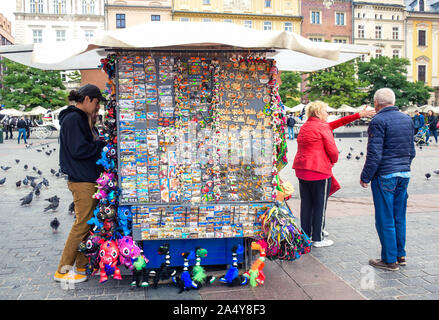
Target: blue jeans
(432,133)
(291,133)
(390,201)
(22,133)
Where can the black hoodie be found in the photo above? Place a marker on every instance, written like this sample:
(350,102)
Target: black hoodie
(78,151)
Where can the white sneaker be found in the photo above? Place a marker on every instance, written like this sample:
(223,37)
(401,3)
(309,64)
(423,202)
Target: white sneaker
(323,243)
(325,233)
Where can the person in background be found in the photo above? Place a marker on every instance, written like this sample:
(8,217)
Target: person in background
(28,125)
(80,148)
(290,123)
(390,151)
(21,125)
(5,122)
(432,125)
(418,121)
(11,125)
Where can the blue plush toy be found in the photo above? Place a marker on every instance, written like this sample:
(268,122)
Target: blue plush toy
(95,221)
(232,277)
(125,218)
(184,282)
(104,161)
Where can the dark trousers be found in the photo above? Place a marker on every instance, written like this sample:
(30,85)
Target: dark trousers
(8,130)
(313,199)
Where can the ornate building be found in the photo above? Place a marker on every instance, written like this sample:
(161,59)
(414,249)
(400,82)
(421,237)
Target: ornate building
(422,43)
(57,20)
(260,15)
(6,38)
(325,20)
(380,23)
(122,14)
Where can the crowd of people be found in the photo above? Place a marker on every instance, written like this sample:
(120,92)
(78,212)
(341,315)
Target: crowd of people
(22,124)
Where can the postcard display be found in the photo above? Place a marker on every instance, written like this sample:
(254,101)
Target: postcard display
(195,144)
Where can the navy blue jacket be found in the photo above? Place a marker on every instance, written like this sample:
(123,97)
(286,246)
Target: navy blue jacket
(78,151)
(390,147)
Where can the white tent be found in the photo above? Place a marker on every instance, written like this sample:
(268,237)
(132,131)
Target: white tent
(330,109)
(11,112)
(57,111)
(37,111)
(425,108)
(297,108)
(360,108)
(346,108)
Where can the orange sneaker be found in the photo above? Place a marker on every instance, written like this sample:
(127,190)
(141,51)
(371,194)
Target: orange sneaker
(82,271)
(70,277)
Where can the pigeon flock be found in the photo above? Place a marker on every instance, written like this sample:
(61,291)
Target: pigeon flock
(34,184)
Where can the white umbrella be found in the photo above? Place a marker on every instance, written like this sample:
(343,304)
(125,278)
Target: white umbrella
(412,109)
(11,112)
(360,108)
(426,108)
(57,111)
(36,111)
(346,108)
(297,108)
(330,109)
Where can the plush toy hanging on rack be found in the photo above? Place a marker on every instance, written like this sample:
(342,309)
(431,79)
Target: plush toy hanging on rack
(108,260)
(199,275)
(184,282)
(256,275)
(90,248)
(232,277)
(164,272)
(131,256)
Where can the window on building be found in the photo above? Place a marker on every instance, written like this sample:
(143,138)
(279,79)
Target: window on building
(228,20)
(364,15)
(288,26)
(421,5)
(267,3)
(184,19)
(36,6)
(59,6)
(248,24)
(340,41)
(84,7)
(315,17)
(92,7)
(207,20)
(381,17)
(359,15)
(120,20)
(378,33)
(315,39)
(267,25)
(422,38)
(88,34)
(206,2)
(40,6)
(395,54)
(397,17)
(360,31)
(395,33)
(339,19)
(60,35)
(155,17)
(378,53)
(421,73)
(37,35)
(32,6)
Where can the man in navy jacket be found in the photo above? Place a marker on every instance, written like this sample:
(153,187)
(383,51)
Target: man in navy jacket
(390,151)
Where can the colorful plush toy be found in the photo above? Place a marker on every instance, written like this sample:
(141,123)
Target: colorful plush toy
(131,256)
(109,257)
(107,182)
(256,274)
(125,218)
(232,277)
(164,272)
(104,161)
(184,282)
(199,275)
(90,248)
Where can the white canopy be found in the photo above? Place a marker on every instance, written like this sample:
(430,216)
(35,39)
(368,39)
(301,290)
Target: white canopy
(11,112)
(36,111)
(297,108)
(360,108)
(330,109)
(346,108)
(57,111)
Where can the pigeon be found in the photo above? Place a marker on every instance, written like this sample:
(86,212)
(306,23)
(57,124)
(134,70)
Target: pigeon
(5,168)
(2,181)
(26,167)
(54,149)
(18,183)
(357,157)
(39,185)
(52,206)
(31,177)
(34,168)
(352,149)
(48,153)
(57,175)
(25,181)
(39,150)
(349,156)
(72,208)
(361,153)
(437,172)
(55,198)
(52,171)
(37,192)
(17,161)
(427,175)
(360,140)
(27,199)
(45,182)
(54,224)
(39,172)
(33,184)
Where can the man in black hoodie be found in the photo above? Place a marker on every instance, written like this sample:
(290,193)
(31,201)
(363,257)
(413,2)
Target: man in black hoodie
(79,151)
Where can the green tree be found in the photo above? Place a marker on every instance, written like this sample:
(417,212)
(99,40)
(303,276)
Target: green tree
(289,90)
(385,72)
(337,85)
(31,87)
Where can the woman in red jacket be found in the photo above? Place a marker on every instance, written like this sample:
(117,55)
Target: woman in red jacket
(316,155)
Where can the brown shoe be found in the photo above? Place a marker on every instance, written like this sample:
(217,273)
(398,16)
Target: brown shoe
(382,265)
(401,261)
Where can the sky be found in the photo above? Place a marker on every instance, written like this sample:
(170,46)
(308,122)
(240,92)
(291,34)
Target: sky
(7,8)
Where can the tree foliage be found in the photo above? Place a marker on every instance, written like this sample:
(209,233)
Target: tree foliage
(31,87)
(337,85)
(289,90)
(385,72)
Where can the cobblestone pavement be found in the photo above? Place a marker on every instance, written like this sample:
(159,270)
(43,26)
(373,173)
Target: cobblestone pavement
(30,251)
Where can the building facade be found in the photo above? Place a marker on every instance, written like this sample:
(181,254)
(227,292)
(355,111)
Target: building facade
(276,15)
(422,44)
(6,38)
(123,14)
(329,21)
(380,23)
(57,20)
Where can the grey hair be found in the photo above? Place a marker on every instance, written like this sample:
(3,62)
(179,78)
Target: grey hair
(384,97)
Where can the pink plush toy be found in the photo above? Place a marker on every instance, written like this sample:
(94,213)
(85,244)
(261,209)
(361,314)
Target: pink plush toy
(109,254)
